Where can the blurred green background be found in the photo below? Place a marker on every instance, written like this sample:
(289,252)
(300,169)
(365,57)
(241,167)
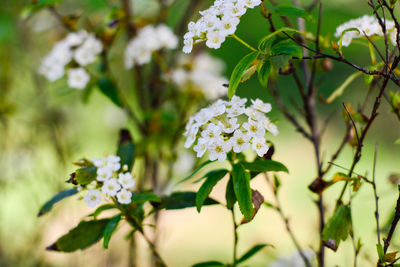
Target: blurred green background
(45,126)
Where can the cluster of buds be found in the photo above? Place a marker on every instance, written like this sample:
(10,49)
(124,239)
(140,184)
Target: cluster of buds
(230,125)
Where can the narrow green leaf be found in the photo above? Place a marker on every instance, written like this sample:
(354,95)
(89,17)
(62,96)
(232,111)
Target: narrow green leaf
(339,91)
(109,89)
(126,149)
(239,71)
(100,209)
(287,47)
(265,166)
(142,197)
(195,171)
(181,200)
(277,182)
(230,194)
(110,228)
(84,235)
(338,227)
(56,198)
(263,70)
(206,188)
(251,252)
(291,11)
(381,253)
(241,186)
(86,175)
(212,173)
(209,264)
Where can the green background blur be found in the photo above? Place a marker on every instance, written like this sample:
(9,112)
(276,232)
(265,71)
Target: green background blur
(45,126)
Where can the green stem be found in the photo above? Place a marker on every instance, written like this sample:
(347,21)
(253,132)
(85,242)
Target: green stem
(243,42)
(236,238)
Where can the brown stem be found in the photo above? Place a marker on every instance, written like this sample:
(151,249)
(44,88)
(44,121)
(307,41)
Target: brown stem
(393,226)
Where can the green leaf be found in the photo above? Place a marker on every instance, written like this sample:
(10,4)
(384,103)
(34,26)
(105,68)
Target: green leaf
(339,91)
(206,188)
(381,253)
(239,72)
(338,227)
(126,149)
(195,171)
(251,252)
(109,89)
(266,39)
(209,264)
(291,11)
(280,61)
(30,9)
(230,194)
(241,186)
(142,197)
(100,209)
(397,142)
(265,166)
(83,236)
(212,173)
(181,200)
(287,47)
(56,198)
(86,175)
(263,70)
(110,228)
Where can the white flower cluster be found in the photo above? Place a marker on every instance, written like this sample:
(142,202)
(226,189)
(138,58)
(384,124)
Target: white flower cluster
(367,25)
(230,125)
(201,73)
(216,23)
(82,47)
(148,40)
(110,181)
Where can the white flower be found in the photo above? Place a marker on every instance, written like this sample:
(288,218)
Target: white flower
(93,198)
(231,125)
(218,149)
(270,127)
(259,145)
(261,106)
(126,180)
(254,114)
(78,78)
(111,187)
(240,141)
(201,147)
(228,25)
(124,196)
(211,132)
(112,162)
(215,39)
(166,37)
(254,128)
(251,3)
(103,174)
(98,162)
(52,72)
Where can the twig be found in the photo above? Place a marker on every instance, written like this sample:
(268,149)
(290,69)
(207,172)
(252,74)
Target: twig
(378,231)
(396,219)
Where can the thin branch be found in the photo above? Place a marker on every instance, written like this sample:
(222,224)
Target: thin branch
(378,231)
(396,219)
